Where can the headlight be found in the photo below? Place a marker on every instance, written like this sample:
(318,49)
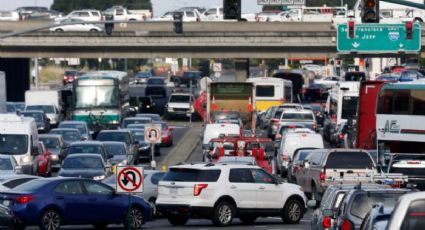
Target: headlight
(144,147)
(25,160)
(99,177)
(114,122)
(148,106)
(123,163)
(55,157)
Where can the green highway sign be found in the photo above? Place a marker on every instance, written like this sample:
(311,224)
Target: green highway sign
(372,38)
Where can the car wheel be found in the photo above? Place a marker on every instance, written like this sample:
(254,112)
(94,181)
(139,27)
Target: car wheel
(50,220)
(134,219)
(153,207)
(100,226)
(93,30)
(315,195)
(292,212)
(59,30)
(224,213)
(248,220)
(177,220)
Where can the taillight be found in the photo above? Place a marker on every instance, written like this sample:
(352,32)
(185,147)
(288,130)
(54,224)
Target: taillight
(65,77)
(341,136)
(314,126)
(278,136)
(326,223)
(198,189)
(346,225)
(24,199)
(274,120)
(322,176)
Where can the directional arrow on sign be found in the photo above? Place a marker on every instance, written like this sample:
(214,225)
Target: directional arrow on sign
(133,177)
(355,44)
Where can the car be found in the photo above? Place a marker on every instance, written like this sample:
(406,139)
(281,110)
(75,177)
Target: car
(13,107)
(43,123)
(316,92)
(284,129)
(142,76)
(9,16)
(90,166)
(51,110)
(55,144)
(144,152)
(121,135)
(319,113)
(135,120)
(152,116)
(166,133)
(188,78)
(80,125)
(187,16)
(408,212)
(92,147)
(86,15)
(290,143)
(69,135)
(358,202)
(267,116)
(8,165)
(222,192)
(151,179)
(412,165)
(249,160)
(264,15)
(296,162)
(7,219)
(53,202)
(119,150)
(75,25)
(299,116)
(138,126)
(70,75)
(10,181)
(179,104)
(142,104)
(377,218)
(156,86)
(322,164)
(44,160)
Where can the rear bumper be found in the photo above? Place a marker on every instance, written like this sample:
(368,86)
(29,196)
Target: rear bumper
(186,210)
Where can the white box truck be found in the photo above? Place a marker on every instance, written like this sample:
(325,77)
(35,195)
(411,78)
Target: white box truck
(48,101)
(19,138)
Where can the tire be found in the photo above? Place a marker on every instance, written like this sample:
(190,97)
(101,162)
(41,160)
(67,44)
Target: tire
(177,220)
(94,30)
(292,212)
(50,220)
(152,203)
(315,195)
(248,220)
(136,219)
(59,30)
(224,212)
(100,226)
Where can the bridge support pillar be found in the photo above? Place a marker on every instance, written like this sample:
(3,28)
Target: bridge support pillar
(17,72)
(242,69)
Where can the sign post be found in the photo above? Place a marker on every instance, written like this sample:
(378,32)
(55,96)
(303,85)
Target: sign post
(153,136)
(373,38)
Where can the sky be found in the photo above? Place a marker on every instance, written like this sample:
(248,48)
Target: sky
(159,6)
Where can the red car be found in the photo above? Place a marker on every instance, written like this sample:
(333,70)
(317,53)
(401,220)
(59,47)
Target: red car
(44,161)
(167,134)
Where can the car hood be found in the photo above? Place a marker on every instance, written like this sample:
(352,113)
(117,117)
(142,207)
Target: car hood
(179,105)
(118,159)
(82,173)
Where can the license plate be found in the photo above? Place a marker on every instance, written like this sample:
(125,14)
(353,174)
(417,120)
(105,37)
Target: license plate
(6,202)
(173,191)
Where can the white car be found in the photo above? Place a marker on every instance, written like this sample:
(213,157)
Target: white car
(265,15)
(9,16)
(188,16)
(85,15)
(83,27)
(222,192)
(409,212)
(180,104)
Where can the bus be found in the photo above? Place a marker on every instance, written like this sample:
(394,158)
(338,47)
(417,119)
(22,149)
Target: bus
(271,92)
(297,79)
(101,99)
(400,118)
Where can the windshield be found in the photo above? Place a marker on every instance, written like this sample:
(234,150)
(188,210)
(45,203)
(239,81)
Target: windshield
(83,163)
(139,136)
(81,128)
(114,136)
(349,107)
(38,117)
(180,98)
(156,81)
(96,96)
(50,143)
(297,116)
(115,149)
(191,175)
(68,135)
(84,149)
(13,143)
(349,160)
(44,108)
(5,164)
(363,203)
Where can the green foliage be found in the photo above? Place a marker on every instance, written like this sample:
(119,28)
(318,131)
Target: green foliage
(67,6)
(317,3)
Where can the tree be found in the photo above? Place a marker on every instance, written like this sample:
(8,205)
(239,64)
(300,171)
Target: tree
(350,4)
(67,6)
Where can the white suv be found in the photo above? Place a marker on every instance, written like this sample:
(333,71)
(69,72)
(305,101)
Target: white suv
(221,192)
(85,15)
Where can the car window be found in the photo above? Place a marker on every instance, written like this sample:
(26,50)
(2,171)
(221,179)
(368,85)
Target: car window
(338,199)
(69,187)
(16,182)
(414,218)
(51,143)
(192,175)
(261,177)
(241,176)
(349,160)
(114,136)
(363,202)
(94,188)
(156,177)
(84,14)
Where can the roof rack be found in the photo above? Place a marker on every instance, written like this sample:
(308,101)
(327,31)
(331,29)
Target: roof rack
(370,177)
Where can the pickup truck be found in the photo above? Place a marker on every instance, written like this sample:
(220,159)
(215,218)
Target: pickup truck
(122,14)
(188,76)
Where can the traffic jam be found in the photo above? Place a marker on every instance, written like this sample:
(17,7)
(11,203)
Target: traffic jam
(347,153)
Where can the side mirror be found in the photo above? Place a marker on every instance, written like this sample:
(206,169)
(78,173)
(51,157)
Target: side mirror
(328,213)
(312,204)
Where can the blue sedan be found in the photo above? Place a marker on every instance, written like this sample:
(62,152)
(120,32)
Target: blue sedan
(54,202)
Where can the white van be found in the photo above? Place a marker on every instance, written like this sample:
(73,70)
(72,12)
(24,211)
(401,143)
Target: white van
(293,141)
(19,138)
(215,130)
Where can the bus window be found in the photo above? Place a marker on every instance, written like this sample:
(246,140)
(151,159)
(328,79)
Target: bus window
(264,91)
(418,100)
(401,102)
